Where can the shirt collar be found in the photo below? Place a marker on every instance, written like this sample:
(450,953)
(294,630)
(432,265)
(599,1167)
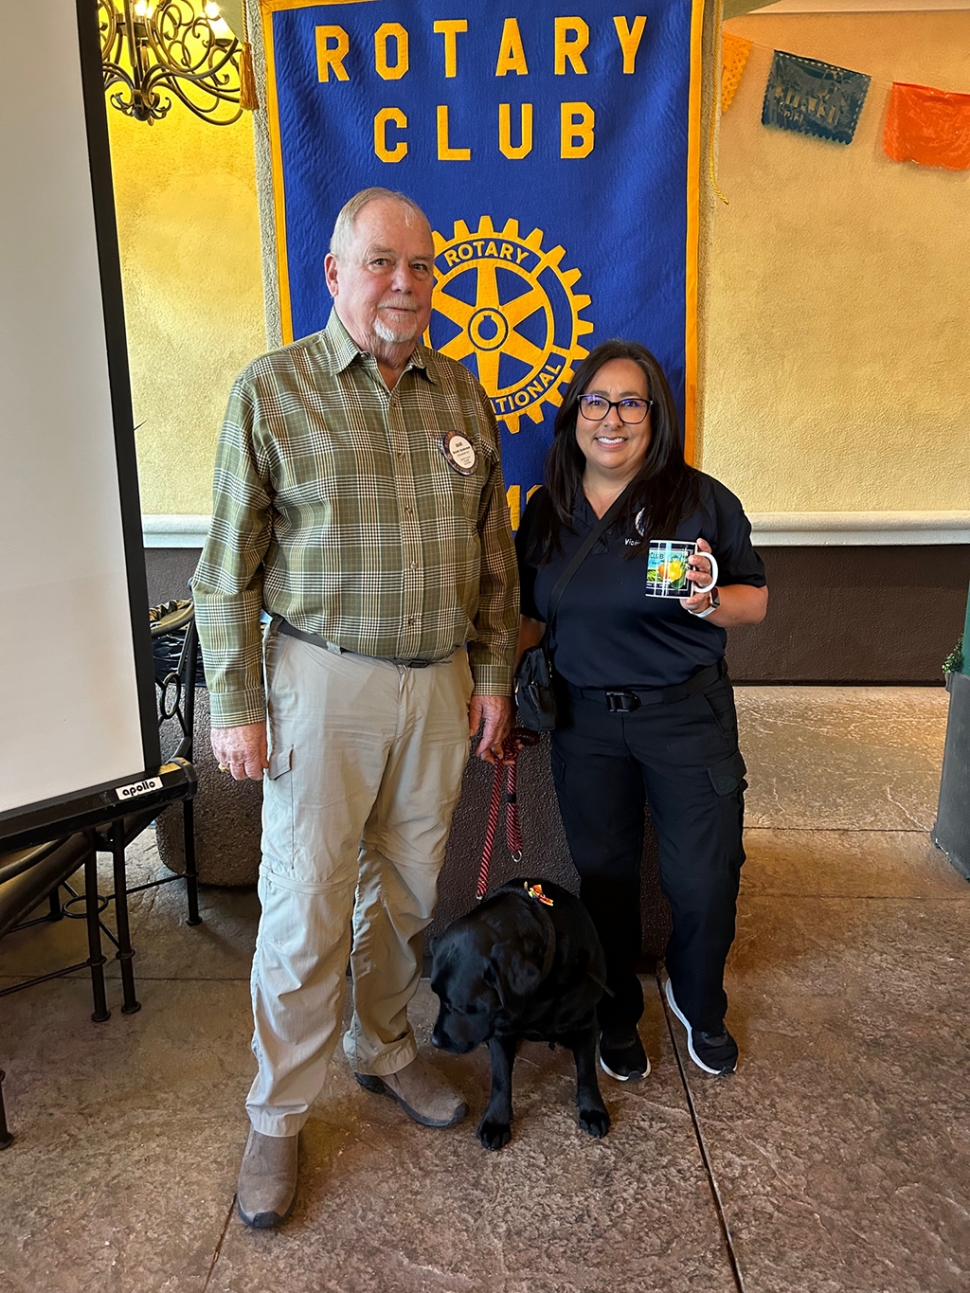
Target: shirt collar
(345,350)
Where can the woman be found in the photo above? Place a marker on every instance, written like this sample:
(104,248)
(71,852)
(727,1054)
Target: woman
(645,706)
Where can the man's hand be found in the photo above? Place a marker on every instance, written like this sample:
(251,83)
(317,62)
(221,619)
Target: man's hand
(241,750)
(493,714)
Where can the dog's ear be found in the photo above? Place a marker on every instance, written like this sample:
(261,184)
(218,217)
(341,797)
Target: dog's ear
(511,974)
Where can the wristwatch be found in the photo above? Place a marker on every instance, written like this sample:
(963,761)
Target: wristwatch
(715,603)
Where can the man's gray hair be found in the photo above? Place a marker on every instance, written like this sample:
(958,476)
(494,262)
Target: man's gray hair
(343,229)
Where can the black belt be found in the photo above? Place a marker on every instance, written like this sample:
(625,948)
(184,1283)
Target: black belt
(291,631)
(627,699)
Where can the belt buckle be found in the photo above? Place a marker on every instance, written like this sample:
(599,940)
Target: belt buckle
(622,702)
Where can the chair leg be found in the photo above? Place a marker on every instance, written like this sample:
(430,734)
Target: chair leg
(6,1137)
(191,866)
(125,951)
(95,955)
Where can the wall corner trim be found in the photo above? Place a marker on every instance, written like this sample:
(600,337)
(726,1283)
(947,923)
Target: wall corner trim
(770,529)
(182,531)
(858,529)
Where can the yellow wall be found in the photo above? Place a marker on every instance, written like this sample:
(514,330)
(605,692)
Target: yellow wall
(835,346)
(837,357)
(188,227)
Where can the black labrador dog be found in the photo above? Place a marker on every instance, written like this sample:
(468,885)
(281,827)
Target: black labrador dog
(526,963)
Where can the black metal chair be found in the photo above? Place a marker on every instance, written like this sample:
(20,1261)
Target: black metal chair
(31,876)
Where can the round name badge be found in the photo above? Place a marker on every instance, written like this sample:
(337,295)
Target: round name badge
(459,452)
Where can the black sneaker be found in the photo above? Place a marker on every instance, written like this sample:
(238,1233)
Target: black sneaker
(715,1053)
(622,1056)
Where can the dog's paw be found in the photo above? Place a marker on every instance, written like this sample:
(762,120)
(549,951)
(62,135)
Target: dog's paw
(494,1135)
(595,1121)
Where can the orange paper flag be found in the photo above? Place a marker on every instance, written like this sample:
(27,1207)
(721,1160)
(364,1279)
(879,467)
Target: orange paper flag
(734,55)
(928,126)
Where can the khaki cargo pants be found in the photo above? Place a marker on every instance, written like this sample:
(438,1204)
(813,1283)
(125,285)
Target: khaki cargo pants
(365,773)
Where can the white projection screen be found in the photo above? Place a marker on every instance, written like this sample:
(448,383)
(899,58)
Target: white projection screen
(76,691)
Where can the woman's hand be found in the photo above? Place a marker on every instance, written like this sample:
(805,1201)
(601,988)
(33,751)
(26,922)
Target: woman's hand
(699,572)
(740,603)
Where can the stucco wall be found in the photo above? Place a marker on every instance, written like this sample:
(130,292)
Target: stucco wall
(834,339)
(837,342)
(188,227)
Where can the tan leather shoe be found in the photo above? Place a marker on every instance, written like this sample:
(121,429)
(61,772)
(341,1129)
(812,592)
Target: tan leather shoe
(422,1093)
(266,1190)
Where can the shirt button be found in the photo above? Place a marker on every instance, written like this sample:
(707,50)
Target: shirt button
(402,455)
(409,509)
(411,621)
(414,565)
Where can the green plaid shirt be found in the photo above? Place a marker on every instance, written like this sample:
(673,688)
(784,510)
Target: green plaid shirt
(335,507)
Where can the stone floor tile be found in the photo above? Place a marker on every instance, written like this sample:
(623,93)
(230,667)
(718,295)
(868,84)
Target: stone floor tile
(841,1146)
(843,758)
(389,1207)
(846,864)
(122,1172)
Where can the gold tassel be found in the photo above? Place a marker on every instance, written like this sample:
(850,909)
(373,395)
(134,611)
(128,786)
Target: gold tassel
(716,75)
(248,98)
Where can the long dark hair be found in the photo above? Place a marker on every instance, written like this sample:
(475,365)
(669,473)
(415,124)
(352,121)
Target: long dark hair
(665,488)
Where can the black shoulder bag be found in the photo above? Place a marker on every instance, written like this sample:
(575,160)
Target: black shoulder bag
(535,698)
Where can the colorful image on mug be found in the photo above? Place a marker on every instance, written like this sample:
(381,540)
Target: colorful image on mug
(667,569)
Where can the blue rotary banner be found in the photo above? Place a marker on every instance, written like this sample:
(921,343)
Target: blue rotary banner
(554,148)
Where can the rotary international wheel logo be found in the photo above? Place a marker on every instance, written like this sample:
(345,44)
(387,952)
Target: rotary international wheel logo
(507,303)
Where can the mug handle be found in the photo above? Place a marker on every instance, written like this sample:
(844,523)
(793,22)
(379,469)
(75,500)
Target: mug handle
(694,588)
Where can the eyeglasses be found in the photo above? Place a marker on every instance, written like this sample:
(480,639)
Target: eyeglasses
(595,408)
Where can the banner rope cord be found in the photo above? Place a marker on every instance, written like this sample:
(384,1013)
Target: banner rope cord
(874,81)
(716,99)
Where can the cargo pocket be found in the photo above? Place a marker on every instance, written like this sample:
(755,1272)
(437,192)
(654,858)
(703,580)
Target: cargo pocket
(278,835)
(728,775)
(279,762)
(720,701)
(727,778)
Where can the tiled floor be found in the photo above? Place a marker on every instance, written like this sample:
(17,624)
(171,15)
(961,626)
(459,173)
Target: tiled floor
(836,1160)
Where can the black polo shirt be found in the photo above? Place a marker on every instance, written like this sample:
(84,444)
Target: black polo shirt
(608,632)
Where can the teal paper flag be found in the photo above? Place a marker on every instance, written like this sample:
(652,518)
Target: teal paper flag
(814,98)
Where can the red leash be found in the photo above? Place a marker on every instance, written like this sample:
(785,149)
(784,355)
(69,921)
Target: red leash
(514,744)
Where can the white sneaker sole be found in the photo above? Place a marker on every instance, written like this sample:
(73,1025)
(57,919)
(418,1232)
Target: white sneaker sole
(705,1068)
(630,1077)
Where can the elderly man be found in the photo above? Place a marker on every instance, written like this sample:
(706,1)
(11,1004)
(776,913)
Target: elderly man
(359,502)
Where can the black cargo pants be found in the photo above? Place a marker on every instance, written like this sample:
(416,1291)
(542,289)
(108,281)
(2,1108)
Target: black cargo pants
(680,752)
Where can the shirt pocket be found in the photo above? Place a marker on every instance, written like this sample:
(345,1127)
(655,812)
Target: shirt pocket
(453,492)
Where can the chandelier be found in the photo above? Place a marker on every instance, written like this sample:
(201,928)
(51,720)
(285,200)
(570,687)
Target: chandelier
(158,51)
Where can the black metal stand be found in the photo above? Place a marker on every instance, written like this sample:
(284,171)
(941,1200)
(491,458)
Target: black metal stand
(126,952)
(189,653)
(6,1137)
(91,908)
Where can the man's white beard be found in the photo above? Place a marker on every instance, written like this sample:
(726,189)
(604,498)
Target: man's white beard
(395,336)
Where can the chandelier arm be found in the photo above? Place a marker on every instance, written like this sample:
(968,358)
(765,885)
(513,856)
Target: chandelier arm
(200,110)
(113,73)
(167,45)
(170,33)
(180,83)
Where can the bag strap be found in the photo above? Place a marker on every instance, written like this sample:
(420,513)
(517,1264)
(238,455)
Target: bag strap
(582,552)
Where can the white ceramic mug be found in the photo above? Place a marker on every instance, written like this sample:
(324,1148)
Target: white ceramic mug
(667,566)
